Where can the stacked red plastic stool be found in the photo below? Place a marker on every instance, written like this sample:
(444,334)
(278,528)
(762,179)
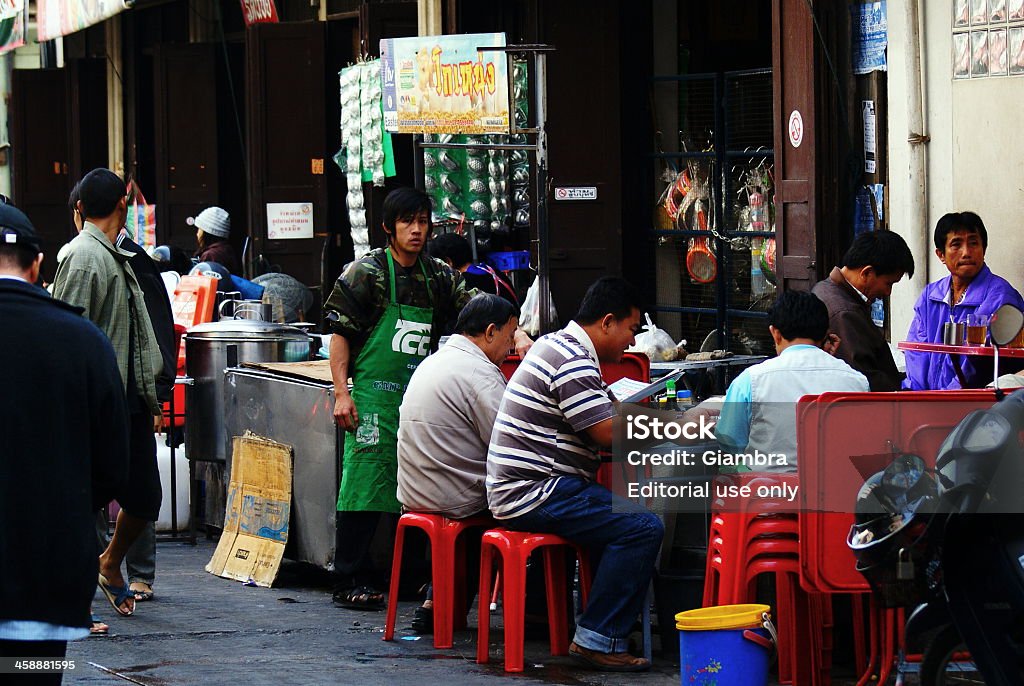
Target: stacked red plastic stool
(515,548)
(448,572)
(755,535)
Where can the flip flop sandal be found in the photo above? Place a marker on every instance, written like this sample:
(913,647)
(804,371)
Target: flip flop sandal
(360,598)
(116,596)
(99,627)
(141,596)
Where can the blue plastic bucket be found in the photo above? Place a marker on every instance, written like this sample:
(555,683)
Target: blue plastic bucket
(724,646)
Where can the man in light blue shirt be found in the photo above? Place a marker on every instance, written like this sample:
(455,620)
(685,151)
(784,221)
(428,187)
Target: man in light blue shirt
(759,413)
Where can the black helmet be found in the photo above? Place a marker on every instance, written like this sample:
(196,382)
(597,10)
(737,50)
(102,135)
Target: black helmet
(888,538)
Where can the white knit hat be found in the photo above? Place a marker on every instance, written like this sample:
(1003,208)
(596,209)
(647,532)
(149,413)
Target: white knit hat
(214,221)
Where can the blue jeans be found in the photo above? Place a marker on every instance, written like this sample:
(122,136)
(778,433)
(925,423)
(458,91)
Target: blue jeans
(623,538)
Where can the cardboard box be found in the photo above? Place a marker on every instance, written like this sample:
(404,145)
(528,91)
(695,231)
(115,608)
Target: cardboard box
(257,513)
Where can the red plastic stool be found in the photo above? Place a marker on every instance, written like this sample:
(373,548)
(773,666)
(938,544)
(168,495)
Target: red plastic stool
(515,548)
(448,562)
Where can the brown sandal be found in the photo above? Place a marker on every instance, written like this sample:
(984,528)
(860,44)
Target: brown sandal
(608,662)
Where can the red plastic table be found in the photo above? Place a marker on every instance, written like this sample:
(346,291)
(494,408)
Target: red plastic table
(955,351)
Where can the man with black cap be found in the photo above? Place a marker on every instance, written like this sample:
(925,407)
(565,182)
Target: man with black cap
(95,275)
(59,405)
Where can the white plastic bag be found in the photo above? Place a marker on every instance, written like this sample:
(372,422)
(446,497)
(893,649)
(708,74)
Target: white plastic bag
(655,342)
(529,316)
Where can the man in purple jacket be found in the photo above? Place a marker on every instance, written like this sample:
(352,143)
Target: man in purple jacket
(970,288)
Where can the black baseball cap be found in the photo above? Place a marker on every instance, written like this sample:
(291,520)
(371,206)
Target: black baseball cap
(16,229)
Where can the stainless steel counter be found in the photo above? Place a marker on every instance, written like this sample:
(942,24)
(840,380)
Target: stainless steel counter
(297,412)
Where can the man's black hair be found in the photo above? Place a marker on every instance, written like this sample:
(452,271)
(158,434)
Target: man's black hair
(99,192)
(885,251)
(404,203)
(484,309)
(20,256)
(959,221)
(799,314)
(451,246)
(608,295)
(74,197)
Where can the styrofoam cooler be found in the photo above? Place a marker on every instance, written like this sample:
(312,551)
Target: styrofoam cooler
(163,459)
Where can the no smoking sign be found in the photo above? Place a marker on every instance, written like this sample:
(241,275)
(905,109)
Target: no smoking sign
(796,129)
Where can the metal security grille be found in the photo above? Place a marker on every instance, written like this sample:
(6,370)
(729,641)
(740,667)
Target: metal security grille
(714,217)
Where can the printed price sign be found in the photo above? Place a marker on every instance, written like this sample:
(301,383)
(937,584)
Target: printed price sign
(287,220)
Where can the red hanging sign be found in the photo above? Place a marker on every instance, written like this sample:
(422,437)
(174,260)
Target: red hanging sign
(259,11)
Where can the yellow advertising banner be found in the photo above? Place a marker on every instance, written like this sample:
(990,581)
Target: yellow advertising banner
(445,84)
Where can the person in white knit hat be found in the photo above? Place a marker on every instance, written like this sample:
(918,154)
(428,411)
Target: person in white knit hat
(213,228)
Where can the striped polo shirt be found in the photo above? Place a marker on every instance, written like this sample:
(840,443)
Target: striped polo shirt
(538,437)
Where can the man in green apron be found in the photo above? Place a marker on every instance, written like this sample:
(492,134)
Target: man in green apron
(385,312)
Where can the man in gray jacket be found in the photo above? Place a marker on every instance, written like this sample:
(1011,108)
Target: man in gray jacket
(446,418)
(95,275)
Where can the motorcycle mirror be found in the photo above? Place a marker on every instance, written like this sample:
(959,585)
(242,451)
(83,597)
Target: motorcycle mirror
(1006,323)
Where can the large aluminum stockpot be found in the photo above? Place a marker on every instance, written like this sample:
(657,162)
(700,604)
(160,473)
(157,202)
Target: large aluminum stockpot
(212,348)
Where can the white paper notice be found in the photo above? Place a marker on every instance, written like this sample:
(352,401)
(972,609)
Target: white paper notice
(289,220)
(869,136)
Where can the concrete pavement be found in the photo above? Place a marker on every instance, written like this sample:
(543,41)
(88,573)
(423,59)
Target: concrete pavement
(202,629)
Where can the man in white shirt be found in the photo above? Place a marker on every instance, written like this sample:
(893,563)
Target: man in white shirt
(446,418)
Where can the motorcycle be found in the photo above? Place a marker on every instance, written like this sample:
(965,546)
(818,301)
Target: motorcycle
(951,540)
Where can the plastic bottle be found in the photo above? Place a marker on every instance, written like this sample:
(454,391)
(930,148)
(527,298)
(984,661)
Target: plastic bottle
(757,211)
(670,394)
(758,283)
(684,400)
(878,313)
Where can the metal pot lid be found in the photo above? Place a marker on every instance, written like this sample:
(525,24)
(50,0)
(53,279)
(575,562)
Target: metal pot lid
(246,328)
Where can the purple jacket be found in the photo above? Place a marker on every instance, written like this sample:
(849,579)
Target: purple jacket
(928,371)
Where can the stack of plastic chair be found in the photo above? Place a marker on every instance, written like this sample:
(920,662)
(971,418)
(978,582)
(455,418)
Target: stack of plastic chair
(448,571)
(192,304)
(515,548)
(754,535)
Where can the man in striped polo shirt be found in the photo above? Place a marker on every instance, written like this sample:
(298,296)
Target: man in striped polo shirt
(555,415)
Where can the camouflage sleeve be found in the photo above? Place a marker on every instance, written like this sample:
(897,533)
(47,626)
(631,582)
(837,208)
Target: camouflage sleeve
(356,303)
(461,292)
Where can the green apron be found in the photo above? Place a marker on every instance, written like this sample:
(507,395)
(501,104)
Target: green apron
(395,347)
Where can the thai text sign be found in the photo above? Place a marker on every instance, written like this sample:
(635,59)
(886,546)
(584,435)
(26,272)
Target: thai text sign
(289,220)
(60,17)
(259,11)
(444,84)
